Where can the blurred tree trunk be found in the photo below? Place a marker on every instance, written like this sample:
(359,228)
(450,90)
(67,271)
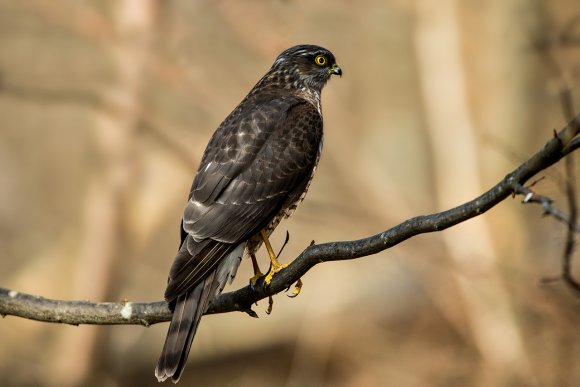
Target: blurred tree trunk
(102,248)
(456,151)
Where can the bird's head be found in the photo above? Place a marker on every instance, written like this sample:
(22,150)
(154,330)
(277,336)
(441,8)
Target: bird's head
(305,66)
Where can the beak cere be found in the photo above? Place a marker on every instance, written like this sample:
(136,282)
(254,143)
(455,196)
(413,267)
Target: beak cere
(336,70)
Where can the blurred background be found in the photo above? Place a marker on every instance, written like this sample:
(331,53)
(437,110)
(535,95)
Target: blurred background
(106,107)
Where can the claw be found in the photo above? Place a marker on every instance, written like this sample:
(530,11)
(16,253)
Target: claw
(284,244)
(297,289)
(270,305)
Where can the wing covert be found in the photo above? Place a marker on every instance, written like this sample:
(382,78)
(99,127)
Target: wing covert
(241,186)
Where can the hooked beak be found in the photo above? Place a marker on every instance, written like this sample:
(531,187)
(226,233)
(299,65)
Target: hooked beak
(336,70)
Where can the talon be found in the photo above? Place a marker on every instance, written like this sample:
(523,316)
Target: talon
(297,289)
(270,305)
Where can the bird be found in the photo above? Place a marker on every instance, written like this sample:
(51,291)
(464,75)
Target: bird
(254,172)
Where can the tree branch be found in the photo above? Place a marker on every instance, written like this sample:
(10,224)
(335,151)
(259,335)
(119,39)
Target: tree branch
(84,312)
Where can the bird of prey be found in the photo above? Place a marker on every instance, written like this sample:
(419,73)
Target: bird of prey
(254,172)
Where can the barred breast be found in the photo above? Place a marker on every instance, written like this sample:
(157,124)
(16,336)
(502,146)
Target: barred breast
(256,241)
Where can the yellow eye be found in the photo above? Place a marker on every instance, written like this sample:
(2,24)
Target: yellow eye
(320,60)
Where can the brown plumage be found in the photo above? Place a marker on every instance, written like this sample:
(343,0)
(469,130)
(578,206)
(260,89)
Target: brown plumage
(255,169)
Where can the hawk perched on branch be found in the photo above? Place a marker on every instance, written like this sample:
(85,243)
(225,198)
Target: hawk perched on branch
(255,170)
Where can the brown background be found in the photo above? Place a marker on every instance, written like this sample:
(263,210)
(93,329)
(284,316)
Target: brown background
(106,106)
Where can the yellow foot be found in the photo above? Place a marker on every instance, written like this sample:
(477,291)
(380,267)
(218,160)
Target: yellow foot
(275,267)
(273,270)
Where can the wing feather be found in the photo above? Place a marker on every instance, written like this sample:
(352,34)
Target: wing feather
(254,190)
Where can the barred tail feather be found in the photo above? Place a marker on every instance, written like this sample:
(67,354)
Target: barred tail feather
(189,308)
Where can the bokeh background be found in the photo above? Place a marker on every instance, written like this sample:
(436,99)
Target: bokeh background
(106,107)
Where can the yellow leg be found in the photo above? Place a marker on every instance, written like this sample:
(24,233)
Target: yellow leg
(257,272)
(276,267)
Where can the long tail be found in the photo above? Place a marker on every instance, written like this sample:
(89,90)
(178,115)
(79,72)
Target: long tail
(189,307)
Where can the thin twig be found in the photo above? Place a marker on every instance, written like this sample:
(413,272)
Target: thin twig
(532,197)
(567,104)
